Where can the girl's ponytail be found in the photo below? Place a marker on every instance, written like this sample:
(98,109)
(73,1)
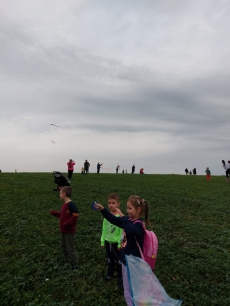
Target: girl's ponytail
(146,212)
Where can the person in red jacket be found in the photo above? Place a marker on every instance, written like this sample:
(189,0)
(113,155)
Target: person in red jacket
(70,165)
(68,220)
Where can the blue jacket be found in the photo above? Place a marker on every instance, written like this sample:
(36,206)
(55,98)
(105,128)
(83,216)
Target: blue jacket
(133,232)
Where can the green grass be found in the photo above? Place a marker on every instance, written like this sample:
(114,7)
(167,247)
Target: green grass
(189,215)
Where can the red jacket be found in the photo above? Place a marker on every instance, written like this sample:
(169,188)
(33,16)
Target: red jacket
(68,217)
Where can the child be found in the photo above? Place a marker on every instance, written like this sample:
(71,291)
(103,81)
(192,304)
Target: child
(111,240)
(134,232)
(208,174)
(68,220)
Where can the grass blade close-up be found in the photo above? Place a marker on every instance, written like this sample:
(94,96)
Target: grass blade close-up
(189,215)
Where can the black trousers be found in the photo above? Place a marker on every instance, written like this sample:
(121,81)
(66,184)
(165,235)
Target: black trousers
(227,173)
(113,258)
(70,172)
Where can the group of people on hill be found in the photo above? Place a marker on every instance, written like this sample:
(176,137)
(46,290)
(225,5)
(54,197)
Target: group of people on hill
(190,172)
(115,226)
(85,169)
(208,171)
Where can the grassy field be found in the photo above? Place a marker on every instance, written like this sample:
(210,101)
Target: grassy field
(189,215)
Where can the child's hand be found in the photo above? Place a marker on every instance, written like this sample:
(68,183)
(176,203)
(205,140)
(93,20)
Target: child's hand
(98,206)
(102,247)
(119,212)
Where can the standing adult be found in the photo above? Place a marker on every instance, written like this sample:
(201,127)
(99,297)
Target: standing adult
(117,168)
(227,168)
(99,167)
(86,166)
(133,169)
(70,165)
(194,171)
(186,171)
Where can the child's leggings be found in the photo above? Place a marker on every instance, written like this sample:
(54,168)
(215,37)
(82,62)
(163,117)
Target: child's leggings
(127,293)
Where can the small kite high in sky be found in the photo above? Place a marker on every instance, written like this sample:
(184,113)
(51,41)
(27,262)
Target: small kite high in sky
(52,141)
(54,125)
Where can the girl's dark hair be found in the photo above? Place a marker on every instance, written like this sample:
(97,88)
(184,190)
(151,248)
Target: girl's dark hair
(114,196)
(137,201)
(67,190)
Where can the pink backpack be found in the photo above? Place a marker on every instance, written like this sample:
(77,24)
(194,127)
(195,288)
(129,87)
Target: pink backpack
(150,247)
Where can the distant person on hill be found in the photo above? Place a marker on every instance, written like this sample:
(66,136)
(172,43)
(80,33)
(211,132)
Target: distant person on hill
(86,166)
(117,168)
(194,171)
(208,174)
(68,220)
(227,169)
(99,167)
(133,169)
(190,172)
(142,171)
(111,241)
(82,170)
(186,171)
(123,171)
(70,165)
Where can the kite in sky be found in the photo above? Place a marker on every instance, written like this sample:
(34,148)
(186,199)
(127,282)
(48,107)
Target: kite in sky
(52,141)
(106,168)
(54,125)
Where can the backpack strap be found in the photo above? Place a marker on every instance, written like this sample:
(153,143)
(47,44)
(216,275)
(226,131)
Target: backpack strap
(138,245)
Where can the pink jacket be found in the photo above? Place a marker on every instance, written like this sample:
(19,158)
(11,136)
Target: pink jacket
(70,165)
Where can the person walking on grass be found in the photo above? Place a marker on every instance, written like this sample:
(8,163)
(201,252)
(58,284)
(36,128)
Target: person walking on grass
(111,241)
(70,165)
(227,169)
(134,232)
(68,220)
(208,174)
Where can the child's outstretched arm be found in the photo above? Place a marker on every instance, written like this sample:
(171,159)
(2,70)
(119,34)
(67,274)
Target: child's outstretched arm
(55,213)
(110,217)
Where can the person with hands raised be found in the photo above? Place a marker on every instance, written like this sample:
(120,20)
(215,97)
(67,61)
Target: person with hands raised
(134,232)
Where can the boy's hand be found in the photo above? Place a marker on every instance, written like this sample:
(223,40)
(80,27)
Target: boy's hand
(119,212)
(102,247)
(98,206)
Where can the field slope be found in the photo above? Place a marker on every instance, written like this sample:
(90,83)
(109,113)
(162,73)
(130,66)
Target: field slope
(189,215)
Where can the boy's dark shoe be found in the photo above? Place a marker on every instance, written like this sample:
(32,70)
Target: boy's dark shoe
(120,284)
(108,277)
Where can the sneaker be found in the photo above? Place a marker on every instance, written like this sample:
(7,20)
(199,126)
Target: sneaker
(120,284)
(108,277)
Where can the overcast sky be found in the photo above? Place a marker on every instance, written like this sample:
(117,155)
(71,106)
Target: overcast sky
(129,82)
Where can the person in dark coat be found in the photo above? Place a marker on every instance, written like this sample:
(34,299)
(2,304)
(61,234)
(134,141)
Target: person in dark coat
(133,169)
(99,167)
